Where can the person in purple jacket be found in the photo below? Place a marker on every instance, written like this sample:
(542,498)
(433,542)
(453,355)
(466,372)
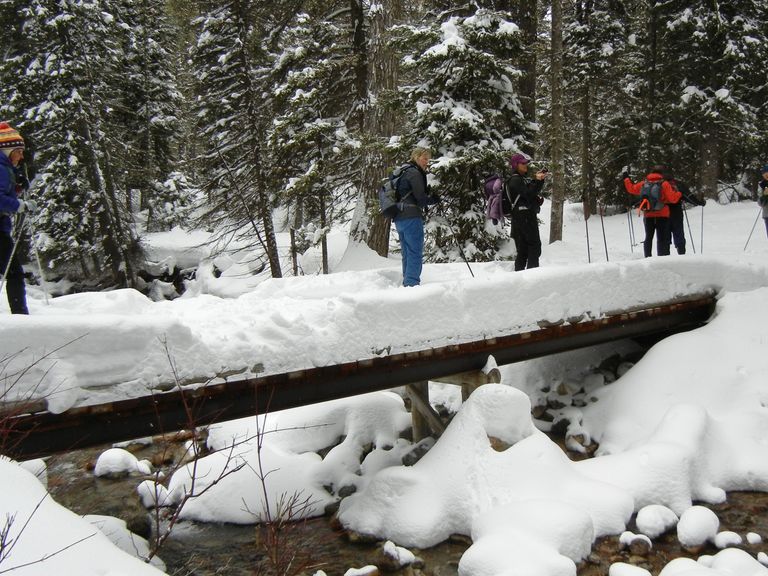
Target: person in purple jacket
(11,154)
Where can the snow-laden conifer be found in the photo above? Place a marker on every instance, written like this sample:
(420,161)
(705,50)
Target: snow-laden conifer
(463,104)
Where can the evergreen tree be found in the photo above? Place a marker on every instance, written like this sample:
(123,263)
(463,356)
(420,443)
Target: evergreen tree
(712,65)
(601,102)
(233,112)
(146,115)
(68,69)
(310,140)
(464,106)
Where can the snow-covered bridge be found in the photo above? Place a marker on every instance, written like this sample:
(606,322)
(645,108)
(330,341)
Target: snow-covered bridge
(468,364)
(121,366)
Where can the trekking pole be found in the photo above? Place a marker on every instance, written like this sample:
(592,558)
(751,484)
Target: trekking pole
(589,253)
(685,213)
(753,227)
(601,209)
(629,228)
(34,246)
(456,241)
(461,251)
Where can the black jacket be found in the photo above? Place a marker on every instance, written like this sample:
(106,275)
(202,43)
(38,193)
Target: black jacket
(413,190)
(522,193)
(686,196)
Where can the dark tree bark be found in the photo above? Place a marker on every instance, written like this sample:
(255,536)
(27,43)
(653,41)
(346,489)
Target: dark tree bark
(527,19)
(379,124)
(556,82)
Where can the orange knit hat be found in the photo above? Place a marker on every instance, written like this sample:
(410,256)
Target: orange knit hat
(9,137)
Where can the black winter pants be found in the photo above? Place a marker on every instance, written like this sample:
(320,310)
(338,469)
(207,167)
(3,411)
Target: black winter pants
(14,283)
(525,233)
(659,227)
(676,228)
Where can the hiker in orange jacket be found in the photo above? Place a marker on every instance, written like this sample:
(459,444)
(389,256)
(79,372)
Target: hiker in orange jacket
(655,219)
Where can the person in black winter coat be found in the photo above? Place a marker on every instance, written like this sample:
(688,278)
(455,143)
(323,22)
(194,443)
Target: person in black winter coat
(522,203)
(763,198)
(676,212)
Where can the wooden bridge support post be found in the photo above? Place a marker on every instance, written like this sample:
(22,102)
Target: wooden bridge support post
(470,381)
(423,417)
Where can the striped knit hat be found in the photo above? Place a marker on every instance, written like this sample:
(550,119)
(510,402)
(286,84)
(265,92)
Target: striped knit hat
(10,139)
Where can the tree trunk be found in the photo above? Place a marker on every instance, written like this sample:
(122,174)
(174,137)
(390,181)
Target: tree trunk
(360,59)
(708,163)
(265,216)
(257,117)
(379,124)
(588,196)
(587,183)
(558,176)
(527,19)
(651,149)
(112,234)
(324,239)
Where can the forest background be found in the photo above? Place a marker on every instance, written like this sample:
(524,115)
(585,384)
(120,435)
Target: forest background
(248,117)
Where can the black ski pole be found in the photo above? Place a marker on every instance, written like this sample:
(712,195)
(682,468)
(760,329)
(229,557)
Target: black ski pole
(701,244)
(456,241)
(629,228)
(461,251)
(685,213)
(602,224)
(589,253)
(753,227)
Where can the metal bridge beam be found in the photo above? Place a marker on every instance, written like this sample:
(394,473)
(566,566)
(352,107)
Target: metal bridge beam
(42,433)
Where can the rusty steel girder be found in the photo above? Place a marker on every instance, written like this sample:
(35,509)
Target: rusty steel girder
(42,433)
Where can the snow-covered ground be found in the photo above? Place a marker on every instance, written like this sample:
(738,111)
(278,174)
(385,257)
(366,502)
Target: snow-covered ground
(689,422)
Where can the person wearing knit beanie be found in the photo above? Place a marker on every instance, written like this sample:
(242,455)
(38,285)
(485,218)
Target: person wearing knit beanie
(10,139)
(524,203)
(12,146)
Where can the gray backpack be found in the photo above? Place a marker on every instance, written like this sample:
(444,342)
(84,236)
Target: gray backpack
(390,202)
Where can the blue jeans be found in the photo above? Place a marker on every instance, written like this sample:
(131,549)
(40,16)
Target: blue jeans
(411,233)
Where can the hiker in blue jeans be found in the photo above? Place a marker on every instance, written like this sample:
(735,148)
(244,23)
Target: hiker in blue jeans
(414,193)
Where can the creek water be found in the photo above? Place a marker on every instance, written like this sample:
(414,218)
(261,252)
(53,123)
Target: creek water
(205,549)
(197,549)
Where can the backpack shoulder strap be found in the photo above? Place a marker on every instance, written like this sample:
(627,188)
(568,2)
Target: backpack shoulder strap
(512,203)
(397,175)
